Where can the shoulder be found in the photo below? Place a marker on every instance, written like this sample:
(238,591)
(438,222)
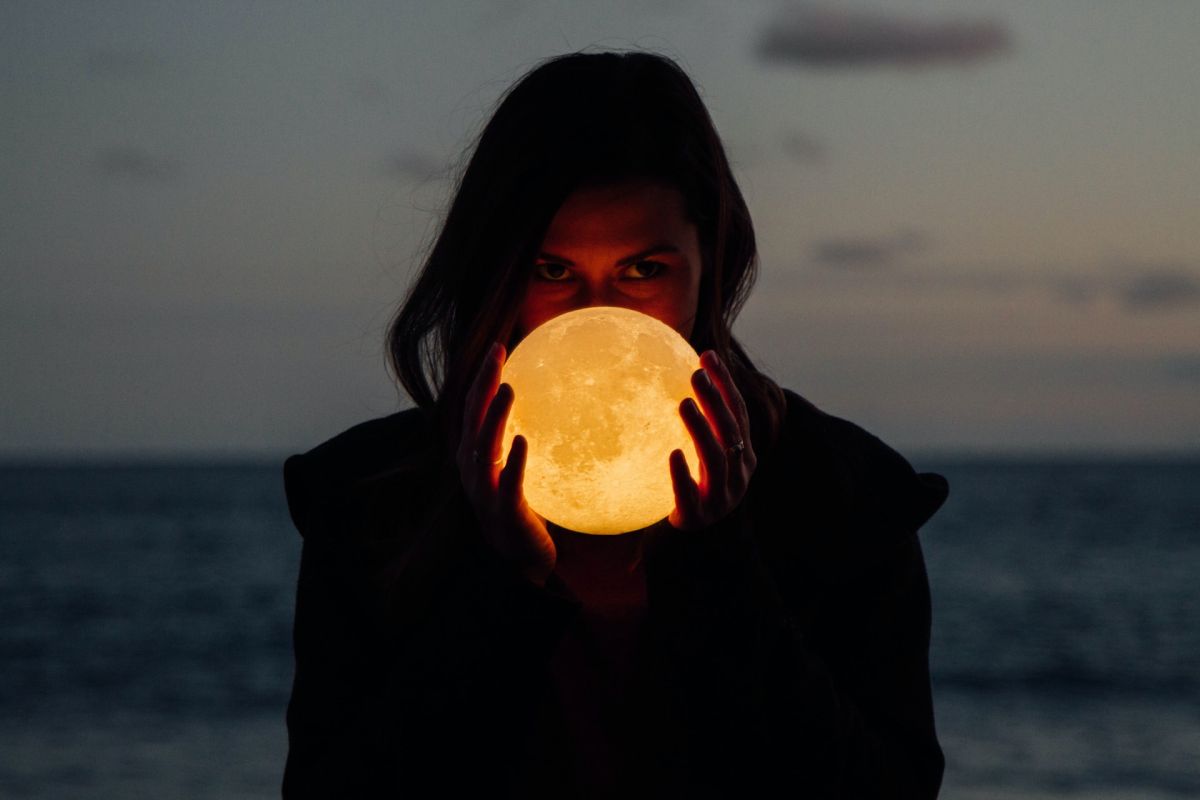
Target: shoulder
(337,478)
(840,478)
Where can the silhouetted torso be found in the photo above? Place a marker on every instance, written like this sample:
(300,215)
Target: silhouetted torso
(786,646)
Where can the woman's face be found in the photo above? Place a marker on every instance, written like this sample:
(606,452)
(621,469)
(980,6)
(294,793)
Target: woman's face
(627,244)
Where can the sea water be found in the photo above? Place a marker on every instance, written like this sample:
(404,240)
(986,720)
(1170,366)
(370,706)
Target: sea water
(146,610)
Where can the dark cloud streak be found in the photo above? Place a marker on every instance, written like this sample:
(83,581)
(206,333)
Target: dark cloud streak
(1183,367)
(123,63)
(129,163)
(885,261)
(829,38)
(804,148)
(868,253)
(369,92)
(1145,288)
(411,166)
(1160,289)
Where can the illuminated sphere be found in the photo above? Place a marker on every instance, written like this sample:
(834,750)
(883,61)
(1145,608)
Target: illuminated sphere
(596,396)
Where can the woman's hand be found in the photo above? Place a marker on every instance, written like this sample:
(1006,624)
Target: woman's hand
(508,523)
(720,429)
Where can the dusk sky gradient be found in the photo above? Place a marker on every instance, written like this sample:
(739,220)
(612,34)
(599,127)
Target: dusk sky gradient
(978,222)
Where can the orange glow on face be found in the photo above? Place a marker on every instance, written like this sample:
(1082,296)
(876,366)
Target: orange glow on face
(628,245)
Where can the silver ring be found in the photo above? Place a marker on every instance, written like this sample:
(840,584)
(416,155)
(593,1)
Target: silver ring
(481,460)
(737,448)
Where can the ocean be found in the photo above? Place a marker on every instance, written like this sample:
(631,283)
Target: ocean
(145,647)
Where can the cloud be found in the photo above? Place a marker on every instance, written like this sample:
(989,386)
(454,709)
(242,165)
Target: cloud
(802,147)
(112,63)
(499,13)
(1136,290)
(368,91)
(1182,367)
(130,163)
(1160,289)
(818,36)
(866,252)
(888,260)
(1074,289)
(411,166)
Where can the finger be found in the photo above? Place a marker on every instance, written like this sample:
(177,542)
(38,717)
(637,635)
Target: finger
(712,457)
(712,402)
(729,391)
(481,391)
(686,514)
(489,441)
(512,477)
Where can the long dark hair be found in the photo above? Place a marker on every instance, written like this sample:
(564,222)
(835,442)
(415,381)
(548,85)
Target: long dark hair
(575,120)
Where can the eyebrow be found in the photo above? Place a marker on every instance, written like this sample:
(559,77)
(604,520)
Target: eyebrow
(652,250)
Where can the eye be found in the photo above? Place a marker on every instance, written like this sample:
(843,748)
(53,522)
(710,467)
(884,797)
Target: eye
(643,270)
(550,271)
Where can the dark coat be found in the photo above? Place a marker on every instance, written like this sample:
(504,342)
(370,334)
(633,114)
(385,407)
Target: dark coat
(792,638)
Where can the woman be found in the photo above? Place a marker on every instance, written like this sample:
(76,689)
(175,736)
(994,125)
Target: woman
(770,635)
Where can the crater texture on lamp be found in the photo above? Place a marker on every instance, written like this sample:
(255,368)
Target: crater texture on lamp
(596,395)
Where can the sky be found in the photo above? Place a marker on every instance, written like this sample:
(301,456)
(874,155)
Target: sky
(978,222)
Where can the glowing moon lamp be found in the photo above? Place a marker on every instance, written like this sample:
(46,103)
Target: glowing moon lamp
(596,396)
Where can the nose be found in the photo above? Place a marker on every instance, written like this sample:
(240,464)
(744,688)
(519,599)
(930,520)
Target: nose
(598,293)
(589,298)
